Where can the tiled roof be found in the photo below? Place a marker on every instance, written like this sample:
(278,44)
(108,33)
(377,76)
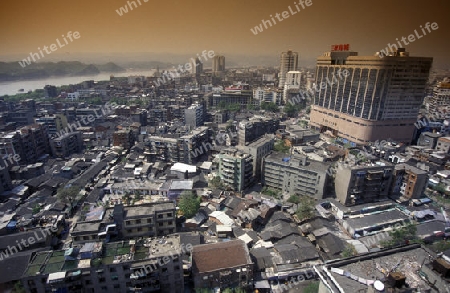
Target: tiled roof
(212,257)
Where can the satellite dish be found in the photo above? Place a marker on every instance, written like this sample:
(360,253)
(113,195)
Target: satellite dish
(378,285)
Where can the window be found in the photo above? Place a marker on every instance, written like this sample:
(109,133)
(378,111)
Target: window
(117,286)
(128,222)
(160,216)
(149,221)
(169,223)
(176,268)
(112,270)
(138,221)
(139,229)
(169,215)
(102,280)
(160,224)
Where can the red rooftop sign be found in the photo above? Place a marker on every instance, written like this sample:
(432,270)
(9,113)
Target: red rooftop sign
(340,47)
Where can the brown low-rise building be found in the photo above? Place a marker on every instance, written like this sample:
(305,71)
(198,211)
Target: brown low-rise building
(222,265)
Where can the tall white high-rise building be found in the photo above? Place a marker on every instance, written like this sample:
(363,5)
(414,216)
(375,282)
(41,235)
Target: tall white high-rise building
(369,98)
(288,62)
(291,85)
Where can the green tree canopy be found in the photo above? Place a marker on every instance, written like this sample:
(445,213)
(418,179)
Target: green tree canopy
(305,207)
(272,107)
(292,110)
(294,199)
(402,235)
(68,194)
(281,147)
(189,203)
(216,182)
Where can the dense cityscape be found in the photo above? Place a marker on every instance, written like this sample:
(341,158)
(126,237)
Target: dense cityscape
(208,175)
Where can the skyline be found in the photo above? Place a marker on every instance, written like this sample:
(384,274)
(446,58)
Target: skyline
(165,31)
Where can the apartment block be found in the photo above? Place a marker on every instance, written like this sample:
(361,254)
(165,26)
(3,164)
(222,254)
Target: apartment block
(30,143)
(11,144)
(408,181)
(157,114)
(295,175)
(291,85)
(236,168)
(258,149)
(66,145)
(365,183)
(194,116)
(198,138)
(242,97)
(5,179)
(35,143)
(147,220)
(369,98)
(443,144)
(123,138)
(268,95)
(137,265)
(163,149)
(21,117)
(440,99)
(221,117)
(288,62)
(253,129)
(54,123)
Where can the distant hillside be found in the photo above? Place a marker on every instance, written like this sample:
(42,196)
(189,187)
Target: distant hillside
(11,71)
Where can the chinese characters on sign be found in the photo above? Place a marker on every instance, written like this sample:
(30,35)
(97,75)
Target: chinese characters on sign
(340,47)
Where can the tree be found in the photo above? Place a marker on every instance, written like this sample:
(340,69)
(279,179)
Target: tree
(189,204)
(36,209)
(308,109)
(271,192)
(402,235)
(294,199)
(349,251)
(292,110)
(305,208)
(216,182)
(18,288)
(312,288)
(281,147)
(68,194)
(272,107)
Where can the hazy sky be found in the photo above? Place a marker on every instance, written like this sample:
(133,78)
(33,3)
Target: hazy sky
(191,26)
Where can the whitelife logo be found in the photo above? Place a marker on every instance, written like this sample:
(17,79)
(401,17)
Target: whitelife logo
(411,38)
(176,72)
(53,47)
(124,9)
(284,15)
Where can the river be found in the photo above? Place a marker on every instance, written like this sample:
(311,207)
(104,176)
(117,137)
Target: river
(12,87)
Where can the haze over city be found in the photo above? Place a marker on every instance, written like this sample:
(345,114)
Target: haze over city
(172,31)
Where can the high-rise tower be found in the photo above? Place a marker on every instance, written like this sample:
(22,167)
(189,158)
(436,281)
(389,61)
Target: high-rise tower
(288,62)
(218,63)
(369,98)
